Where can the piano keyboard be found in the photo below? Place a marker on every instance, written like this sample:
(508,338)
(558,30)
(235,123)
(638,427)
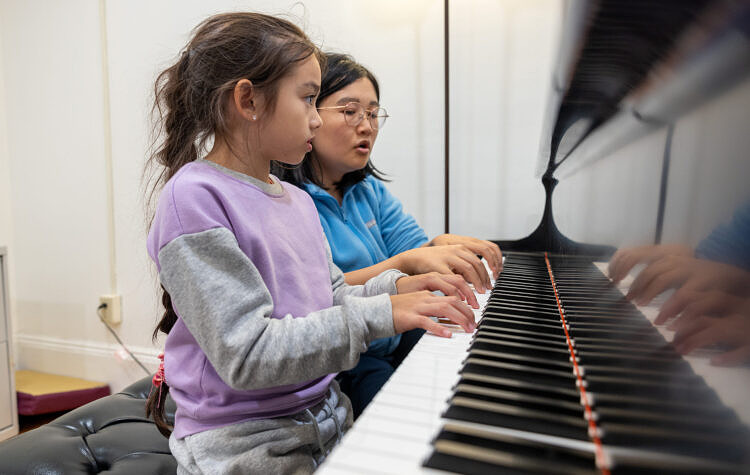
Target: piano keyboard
(520,403)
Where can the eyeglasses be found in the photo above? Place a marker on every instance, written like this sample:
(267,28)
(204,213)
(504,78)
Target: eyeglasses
(354,113)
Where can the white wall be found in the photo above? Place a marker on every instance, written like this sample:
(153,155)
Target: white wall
(53,87)
(501,61)
(77,81)
(5,216)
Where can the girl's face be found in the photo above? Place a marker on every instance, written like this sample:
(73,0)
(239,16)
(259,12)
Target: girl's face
(286,135)
(339,147)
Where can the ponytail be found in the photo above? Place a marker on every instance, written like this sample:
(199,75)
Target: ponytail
(158,395)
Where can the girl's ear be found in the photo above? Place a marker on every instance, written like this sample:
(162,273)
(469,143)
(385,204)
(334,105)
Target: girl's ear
(246,99)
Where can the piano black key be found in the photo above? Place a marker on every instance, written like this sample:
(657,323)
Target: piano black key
(557,354)
(529,311)
(537,405)
(566,394)
(472,450)
(504,415)
(699,444)
(667,390)
(530,338)
(517,316)
(493,322)
(490,331)
(529,374)
(726,426)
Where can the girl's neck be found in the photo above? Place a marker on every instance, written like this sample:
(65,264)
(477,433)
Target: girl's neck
(229,157)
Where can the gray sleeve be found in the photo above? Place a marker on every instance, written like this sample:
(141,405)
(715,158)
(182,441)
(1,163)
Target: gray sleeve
(225,304)
(383,283)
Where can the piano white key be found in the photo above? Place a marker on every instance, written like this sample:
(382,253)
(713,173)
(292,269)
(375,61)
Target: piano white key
(404,416)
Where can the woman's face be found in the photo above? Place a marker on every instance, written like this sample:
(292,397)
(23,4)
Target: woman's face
(339,147)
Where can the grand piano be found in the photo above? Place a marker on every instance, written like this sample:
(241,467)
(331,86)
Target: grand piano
(563,375)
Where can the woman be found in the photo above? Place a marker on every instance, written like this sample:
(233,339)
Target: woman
(366,226)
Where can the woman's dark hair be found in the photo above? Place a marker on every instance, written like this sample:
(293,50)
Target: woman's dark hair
(190,97)
(341,70)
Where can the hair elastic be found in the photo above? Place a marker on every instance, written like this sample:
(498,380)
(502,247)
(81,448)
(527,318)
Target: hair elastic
(158,378)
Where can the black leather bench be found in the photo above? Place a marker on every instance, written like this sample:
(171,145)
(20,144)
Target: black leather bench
(111,434)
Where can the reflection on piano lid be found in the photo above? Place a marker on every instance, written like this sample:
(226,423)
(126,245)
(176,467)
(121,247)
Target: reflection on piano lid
(625,68)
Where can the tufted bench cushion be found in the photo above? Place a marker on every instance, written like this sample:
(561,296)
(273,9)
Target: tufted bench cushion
(111,434)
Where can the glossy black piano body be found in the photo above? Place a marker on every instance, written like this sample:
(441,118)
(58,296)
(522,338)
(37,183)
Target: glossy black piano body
(564,375)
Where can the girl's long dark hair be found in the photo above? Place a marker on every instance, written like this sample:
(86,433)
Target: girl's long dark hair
(341,70)
(157,398)
(190,97)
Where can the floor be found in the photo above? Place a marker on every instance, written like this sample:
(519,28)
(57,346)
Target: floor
(27,423)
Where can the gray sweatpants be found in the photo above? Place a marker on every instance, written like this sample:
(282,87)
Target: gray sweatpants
(292,444)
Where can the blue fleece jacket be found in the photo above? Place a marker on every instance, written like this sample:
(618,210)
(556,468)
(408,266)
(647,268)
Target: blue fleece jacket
(368,227)
(730,242)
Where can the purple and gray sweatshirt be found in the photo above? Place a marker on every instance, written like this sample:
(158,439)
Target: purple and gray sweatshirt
(265,317)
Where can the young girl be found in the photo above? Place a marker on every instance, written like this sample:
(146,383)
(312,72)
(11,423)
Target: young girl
(258,318)
(366,225)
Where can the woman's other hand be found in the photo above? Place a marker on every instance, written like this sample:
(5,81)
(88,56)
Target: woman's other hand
(450,259)
(489,250)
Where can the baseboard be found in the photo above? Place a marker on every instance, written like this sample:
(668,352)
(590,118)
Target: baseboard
(91,360)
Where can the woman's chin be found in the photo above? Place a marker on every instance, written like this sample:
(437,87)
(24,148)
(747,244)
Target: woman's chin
(361,161)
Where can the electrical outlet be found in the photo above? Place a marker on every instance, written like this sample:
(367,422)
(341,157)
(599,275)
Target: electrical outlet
(113,312)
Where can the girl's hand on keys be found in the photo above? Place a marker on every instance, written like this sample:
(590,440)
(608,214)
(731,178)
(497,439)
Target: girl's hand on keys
(413,310)
(448,284)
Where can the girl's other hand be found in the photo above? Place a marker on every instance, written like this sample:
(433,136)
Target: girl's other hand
(489,250)
(448,284)
(413,310)
(451,259)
